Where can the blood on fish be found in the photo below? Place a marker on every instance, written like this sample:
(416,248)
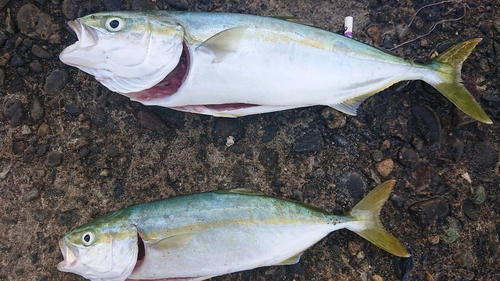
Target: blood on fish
(214,107)
(170,84)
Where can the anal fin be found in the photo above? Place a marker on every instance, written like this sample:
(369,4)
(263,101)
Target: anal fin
(291,260)
(350,106)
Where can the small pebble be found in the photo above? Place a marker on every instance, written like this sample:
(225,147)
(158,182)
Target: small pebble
(36,66)
(3,37)
(448,233)
(178,4)
(377,155)
(40,53)
(118,191)
(374,32)
(36,109)
(112,151)
(353,248)
(23,70)
(428,210)
(404,266)
(386,144)
(25,130)
(72,110)
(4,59)
(470,210)
(385,167)
(298,196)
(55,82)
(13,109)
(334,119)
(397,200)
(95,150)
(407,157)
(31,195)
(104,173)
(152,122)
(322,264)
(424,43)
(310,142)
(34,257)
(402,31)
(16,60)
(479,195)
(377,277)
(2,77)
(43,129)
(54,159)
(417,143)
(464,258)
(428,276)
(42,149)
(433,239)
(360,255)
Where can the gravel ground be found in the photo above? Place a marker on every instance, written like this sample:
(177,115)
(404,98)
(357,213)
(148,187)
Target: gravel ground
(72,151)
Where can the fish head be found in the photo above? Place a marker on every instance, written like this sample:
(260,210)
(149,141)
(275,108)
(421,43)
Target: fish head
(125,51)
(100,251)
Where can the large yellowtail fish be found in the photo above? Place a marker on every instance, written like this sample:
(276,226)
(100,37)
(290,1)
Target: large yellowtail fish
(234,64)
(199,236)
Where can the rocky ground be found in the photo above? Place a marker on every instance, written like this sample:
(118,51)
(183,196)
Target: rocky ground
(72,151)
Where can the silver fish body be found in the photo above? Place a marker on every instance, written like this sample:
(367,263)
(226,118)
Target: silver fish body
(234,64)
(199,236)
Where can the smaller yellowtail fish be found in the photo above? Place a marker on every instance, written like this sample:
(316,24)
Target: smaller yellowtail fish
(232,65)
(195,237)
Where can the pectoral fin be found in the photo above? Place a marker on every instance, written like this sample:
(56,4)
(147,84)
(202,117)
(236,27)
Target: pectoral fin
(223,43)
(174,242)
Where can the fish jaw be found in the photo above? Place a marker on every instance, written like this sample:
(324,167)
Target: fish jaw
(69,256)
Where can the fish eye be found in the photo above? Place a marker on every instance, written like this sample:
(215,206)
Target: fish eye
(88,238)
(114,24)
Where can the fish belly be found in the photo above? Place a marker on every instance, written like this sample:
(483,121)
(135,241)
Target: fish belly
(233,248)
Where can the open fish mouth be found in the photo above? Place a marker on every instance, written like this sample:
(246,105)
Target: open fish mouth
(68,254)
(87,37)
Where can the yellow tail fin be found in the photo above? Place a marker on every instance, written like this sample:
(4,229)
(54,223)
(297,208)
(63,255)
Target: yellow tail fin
(367,214)
(449,66)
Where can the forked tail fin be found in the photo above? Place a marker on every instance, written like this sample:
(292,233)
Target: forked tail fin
(449,66)
(367,214)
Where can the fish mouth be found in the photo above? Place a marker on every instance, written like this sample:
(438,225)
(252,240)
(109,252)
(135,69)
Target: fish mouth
(87,37)
(68,254)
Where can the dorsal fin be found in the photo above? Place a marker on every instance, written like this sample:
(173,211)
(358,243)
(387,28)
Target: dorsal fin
(296,20)
(223,43)
(244,191)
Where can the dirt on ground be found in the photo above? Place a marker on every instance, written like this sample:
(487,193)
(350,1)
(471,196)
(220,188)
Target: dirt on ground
(71,150)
